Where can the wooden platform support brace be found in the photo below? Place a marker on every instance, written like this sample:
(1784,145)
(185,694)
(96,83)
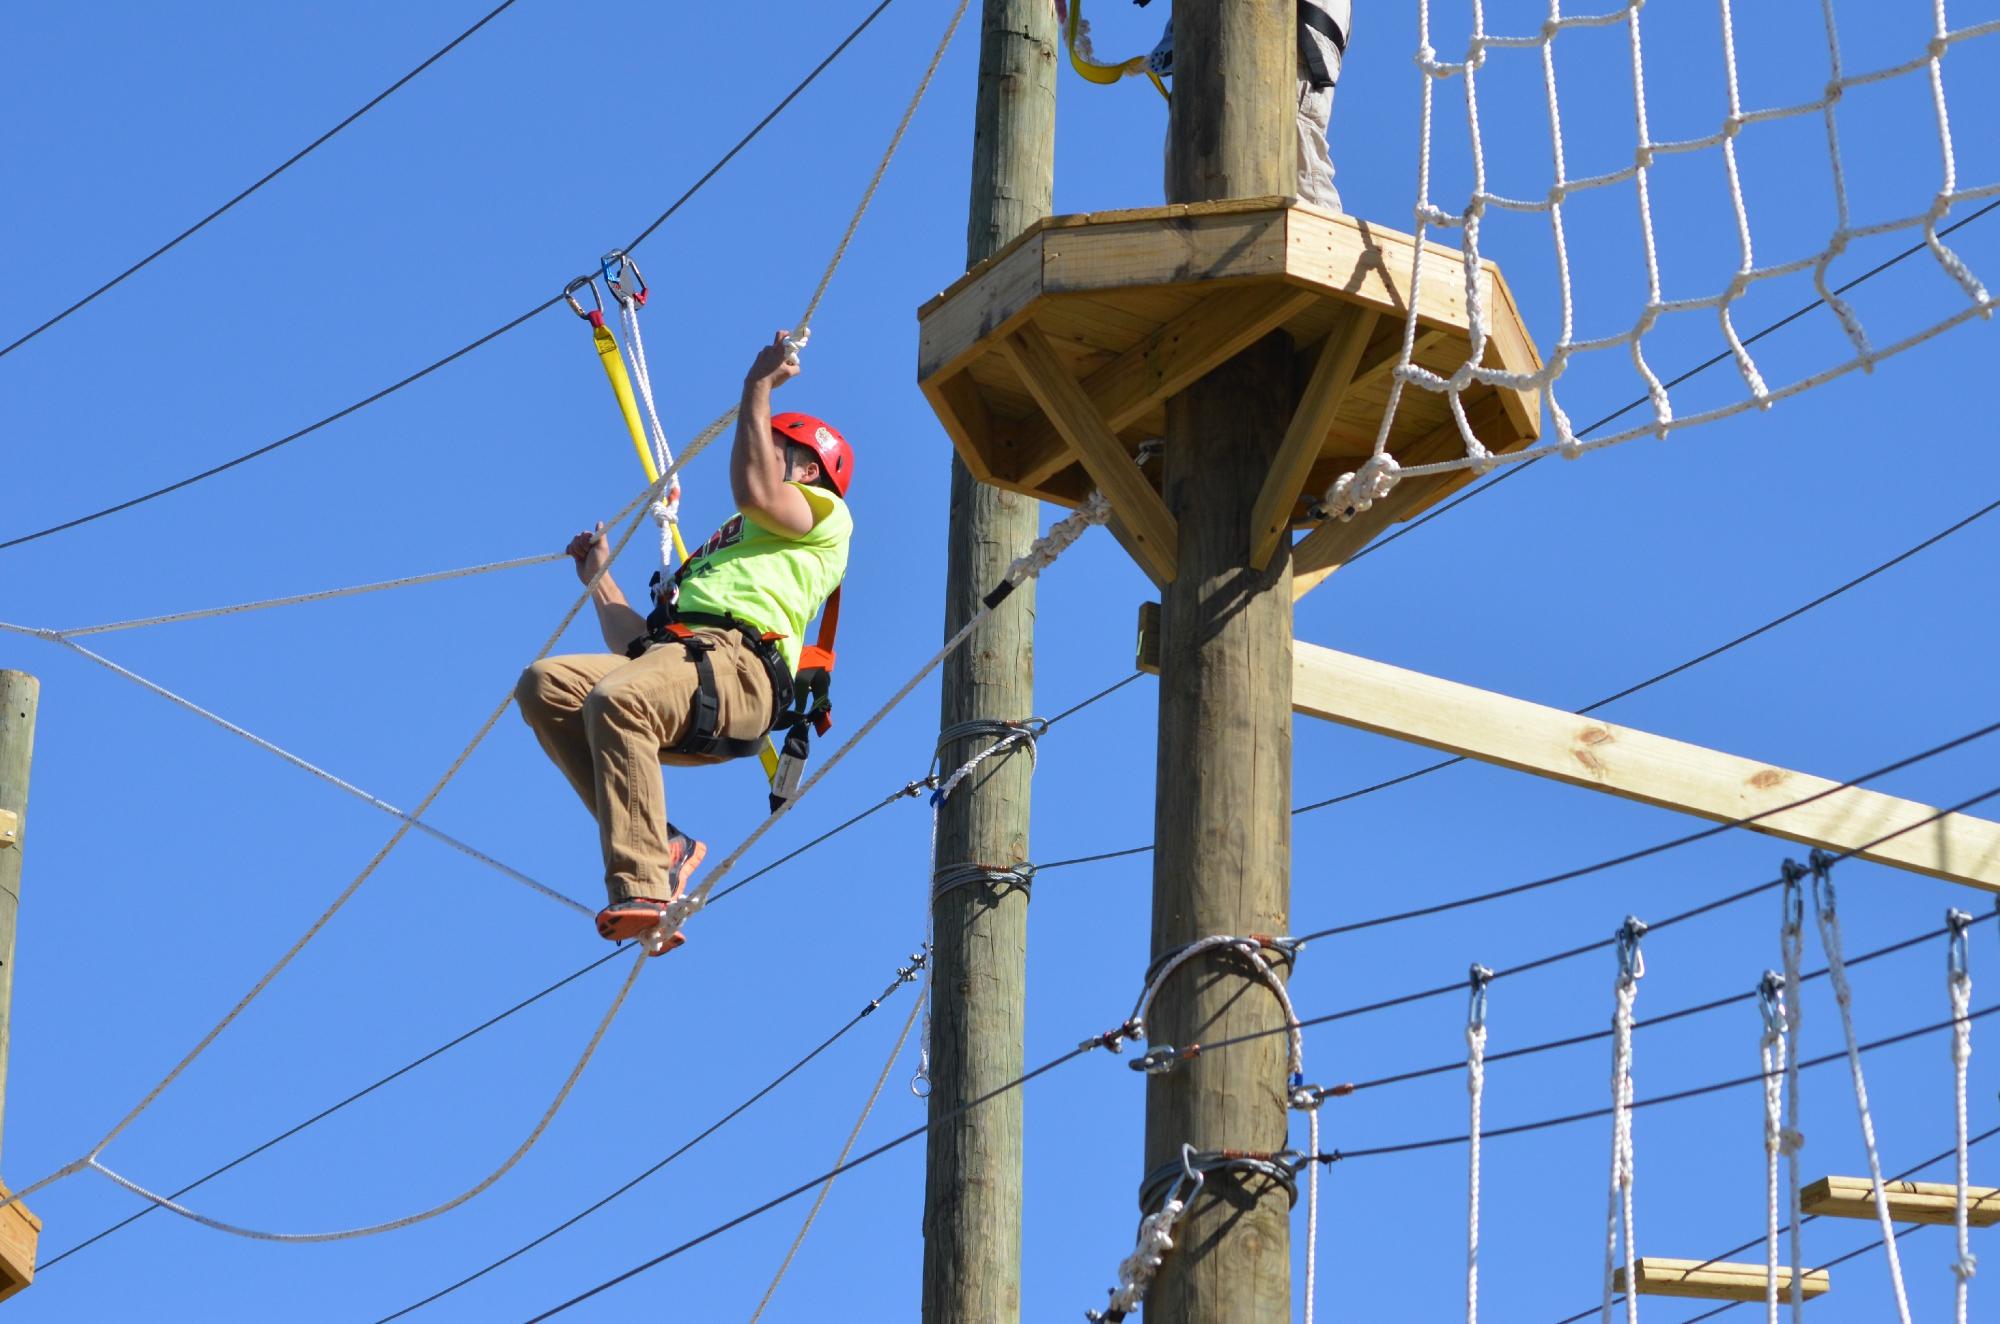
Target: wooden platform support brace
(1909,1201)
(1222,807)
(1332,374)
(1716,1281)
(20,698)
(1582,751)
(973,1179)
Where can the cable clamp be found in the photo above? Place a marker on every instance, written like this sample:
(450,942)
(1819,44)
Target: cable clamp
(1824,899)
(1112,1039)
(1792,902)
(1958,954)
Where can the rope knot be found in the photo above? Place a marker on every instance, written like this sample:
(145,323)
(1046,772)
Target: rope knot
(1355,492)
(1965,1267)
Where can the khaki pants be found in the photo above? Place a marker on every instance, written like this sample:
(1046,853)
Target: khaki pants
(608,722)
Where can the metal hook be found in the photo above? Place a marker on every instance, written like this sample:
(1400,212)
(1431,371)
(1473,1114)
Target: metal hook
(1958,950)
(1481,976)
(1825,902)
(615,265)
(1631,963)
(594,315)
(1792,903)
(1771,1001)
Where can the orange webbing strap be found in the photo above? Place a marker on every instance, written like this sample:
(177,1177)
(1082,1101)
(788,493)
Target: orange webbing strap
(810,706)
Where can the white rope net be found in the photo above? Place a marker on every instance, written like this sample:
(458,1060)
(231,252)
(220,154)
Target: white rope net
(1762,115)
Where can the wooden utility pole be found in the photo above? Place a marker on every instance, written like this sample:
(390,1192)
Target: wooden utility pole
(20,695)
(1222,819)
(972,1197)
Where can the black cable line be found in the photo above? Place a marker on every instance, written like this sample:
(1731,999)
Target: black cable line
(1677,1096)
(325,1113)
(1554,958)
(282,167)
(1904,1175)
(1722,357)
(904,976)
(1608,699)
(463,350)
(1052,1064)
(1665,1018)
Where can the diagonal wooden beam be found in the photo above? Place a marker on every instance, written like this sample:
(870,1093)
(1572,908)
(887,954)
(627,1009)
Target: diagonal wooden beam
(1166,363)
(1147,523)
(1332,374)
(1565,747)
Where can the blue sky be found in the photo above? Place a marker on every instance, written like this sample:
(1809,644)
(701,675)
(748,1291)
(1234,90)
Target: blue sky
(169,863)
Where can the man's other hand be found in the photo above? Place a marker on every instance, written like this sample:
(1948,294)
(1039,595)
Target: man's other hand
(771,368)
(591,552)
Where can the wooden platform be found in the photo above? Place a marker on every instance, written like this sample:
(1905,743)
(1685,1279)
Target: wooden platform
(20,1236)
(1718,1281)
(1909,1201)
(10,828)
(1050,362)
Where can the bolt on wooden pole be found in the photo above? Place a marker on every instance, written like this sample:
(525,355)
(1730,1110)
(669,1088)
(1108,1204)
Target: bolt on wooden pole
(1222,816)
(972,1196)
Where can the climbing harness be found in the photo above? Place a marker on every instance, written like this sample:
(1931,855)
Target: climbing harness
(694,631)
(1076,35)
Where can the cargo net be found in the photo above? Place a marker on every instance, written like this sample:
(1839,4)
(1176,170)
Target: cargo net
(1783,164)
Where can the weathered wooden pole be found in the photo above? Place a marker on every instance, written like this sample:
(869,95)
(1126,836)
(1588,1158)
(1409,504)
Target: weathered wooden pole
(20,695)
(1222,819)
(972,1196)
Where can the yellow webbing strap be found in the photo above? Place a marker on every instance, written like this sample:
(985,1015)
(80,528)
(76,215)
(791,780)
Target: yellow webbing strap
(628,405)
(1104,74)
(767,755)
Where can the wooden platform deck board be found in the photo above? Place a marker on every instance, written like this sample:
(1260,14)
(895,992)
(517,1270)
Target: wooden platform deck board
(1909,1201)
(1141,304)
(20,1237)
(1715,1282)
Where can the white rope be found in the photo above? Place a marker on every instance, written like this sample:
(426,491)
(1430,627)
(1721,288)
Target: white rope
(408,1220)
(1958,979)
(1156,1237)
(1791,943)
(1475,1088)
(1826,911)
(1663,418)
(314,769)
(1631,969)
(1771,1055)
(1312,1209)
(299,599)
(667,511)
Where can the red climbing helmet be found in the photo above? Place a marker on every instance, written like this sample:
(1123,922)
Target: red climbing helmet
(836,457)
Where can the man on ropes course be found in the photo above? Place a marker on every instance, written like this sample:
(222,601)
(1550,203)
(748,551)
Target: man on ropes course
(710,669)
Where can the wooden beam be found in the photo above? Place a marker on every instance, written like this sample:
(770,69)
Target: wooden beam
(1333,372)
(1909,1201)
(1062,398)
(1716,1281)
(1166,363)
(1655,770)
(10,828)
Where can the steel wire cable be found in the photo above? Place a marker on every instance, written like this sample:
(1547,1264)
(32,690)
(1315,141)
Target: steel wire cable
(465,349)
(280,169)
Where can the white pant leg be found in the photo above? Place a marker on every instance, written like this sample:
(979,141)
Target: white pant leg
(1315,108)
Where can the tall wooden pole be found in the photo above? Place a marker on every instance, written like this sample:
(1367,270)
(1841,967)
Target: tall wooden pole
(972,1197)
(1222,817)
(20,696)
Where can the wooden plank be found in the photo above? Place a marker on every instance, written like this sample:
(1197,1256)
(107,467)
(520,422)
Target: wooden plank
(1582,751)
(1166,363)
(956,329)
(10,828)
(1717,1281)
(1509,346)
(1655,770)
(1370,264)
(1339,356)
(1226,246)
(956,400)
(1062,398)
(1909,1201)
(20,1235)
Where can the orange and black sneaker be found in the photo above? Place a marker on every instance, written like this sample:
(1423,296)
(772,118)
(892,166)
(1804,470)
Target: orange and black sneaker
(625,920)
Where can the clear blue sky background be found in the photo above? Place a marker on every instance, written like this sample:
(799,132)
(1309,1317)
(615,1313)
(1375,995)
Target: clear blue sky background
(169,863)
